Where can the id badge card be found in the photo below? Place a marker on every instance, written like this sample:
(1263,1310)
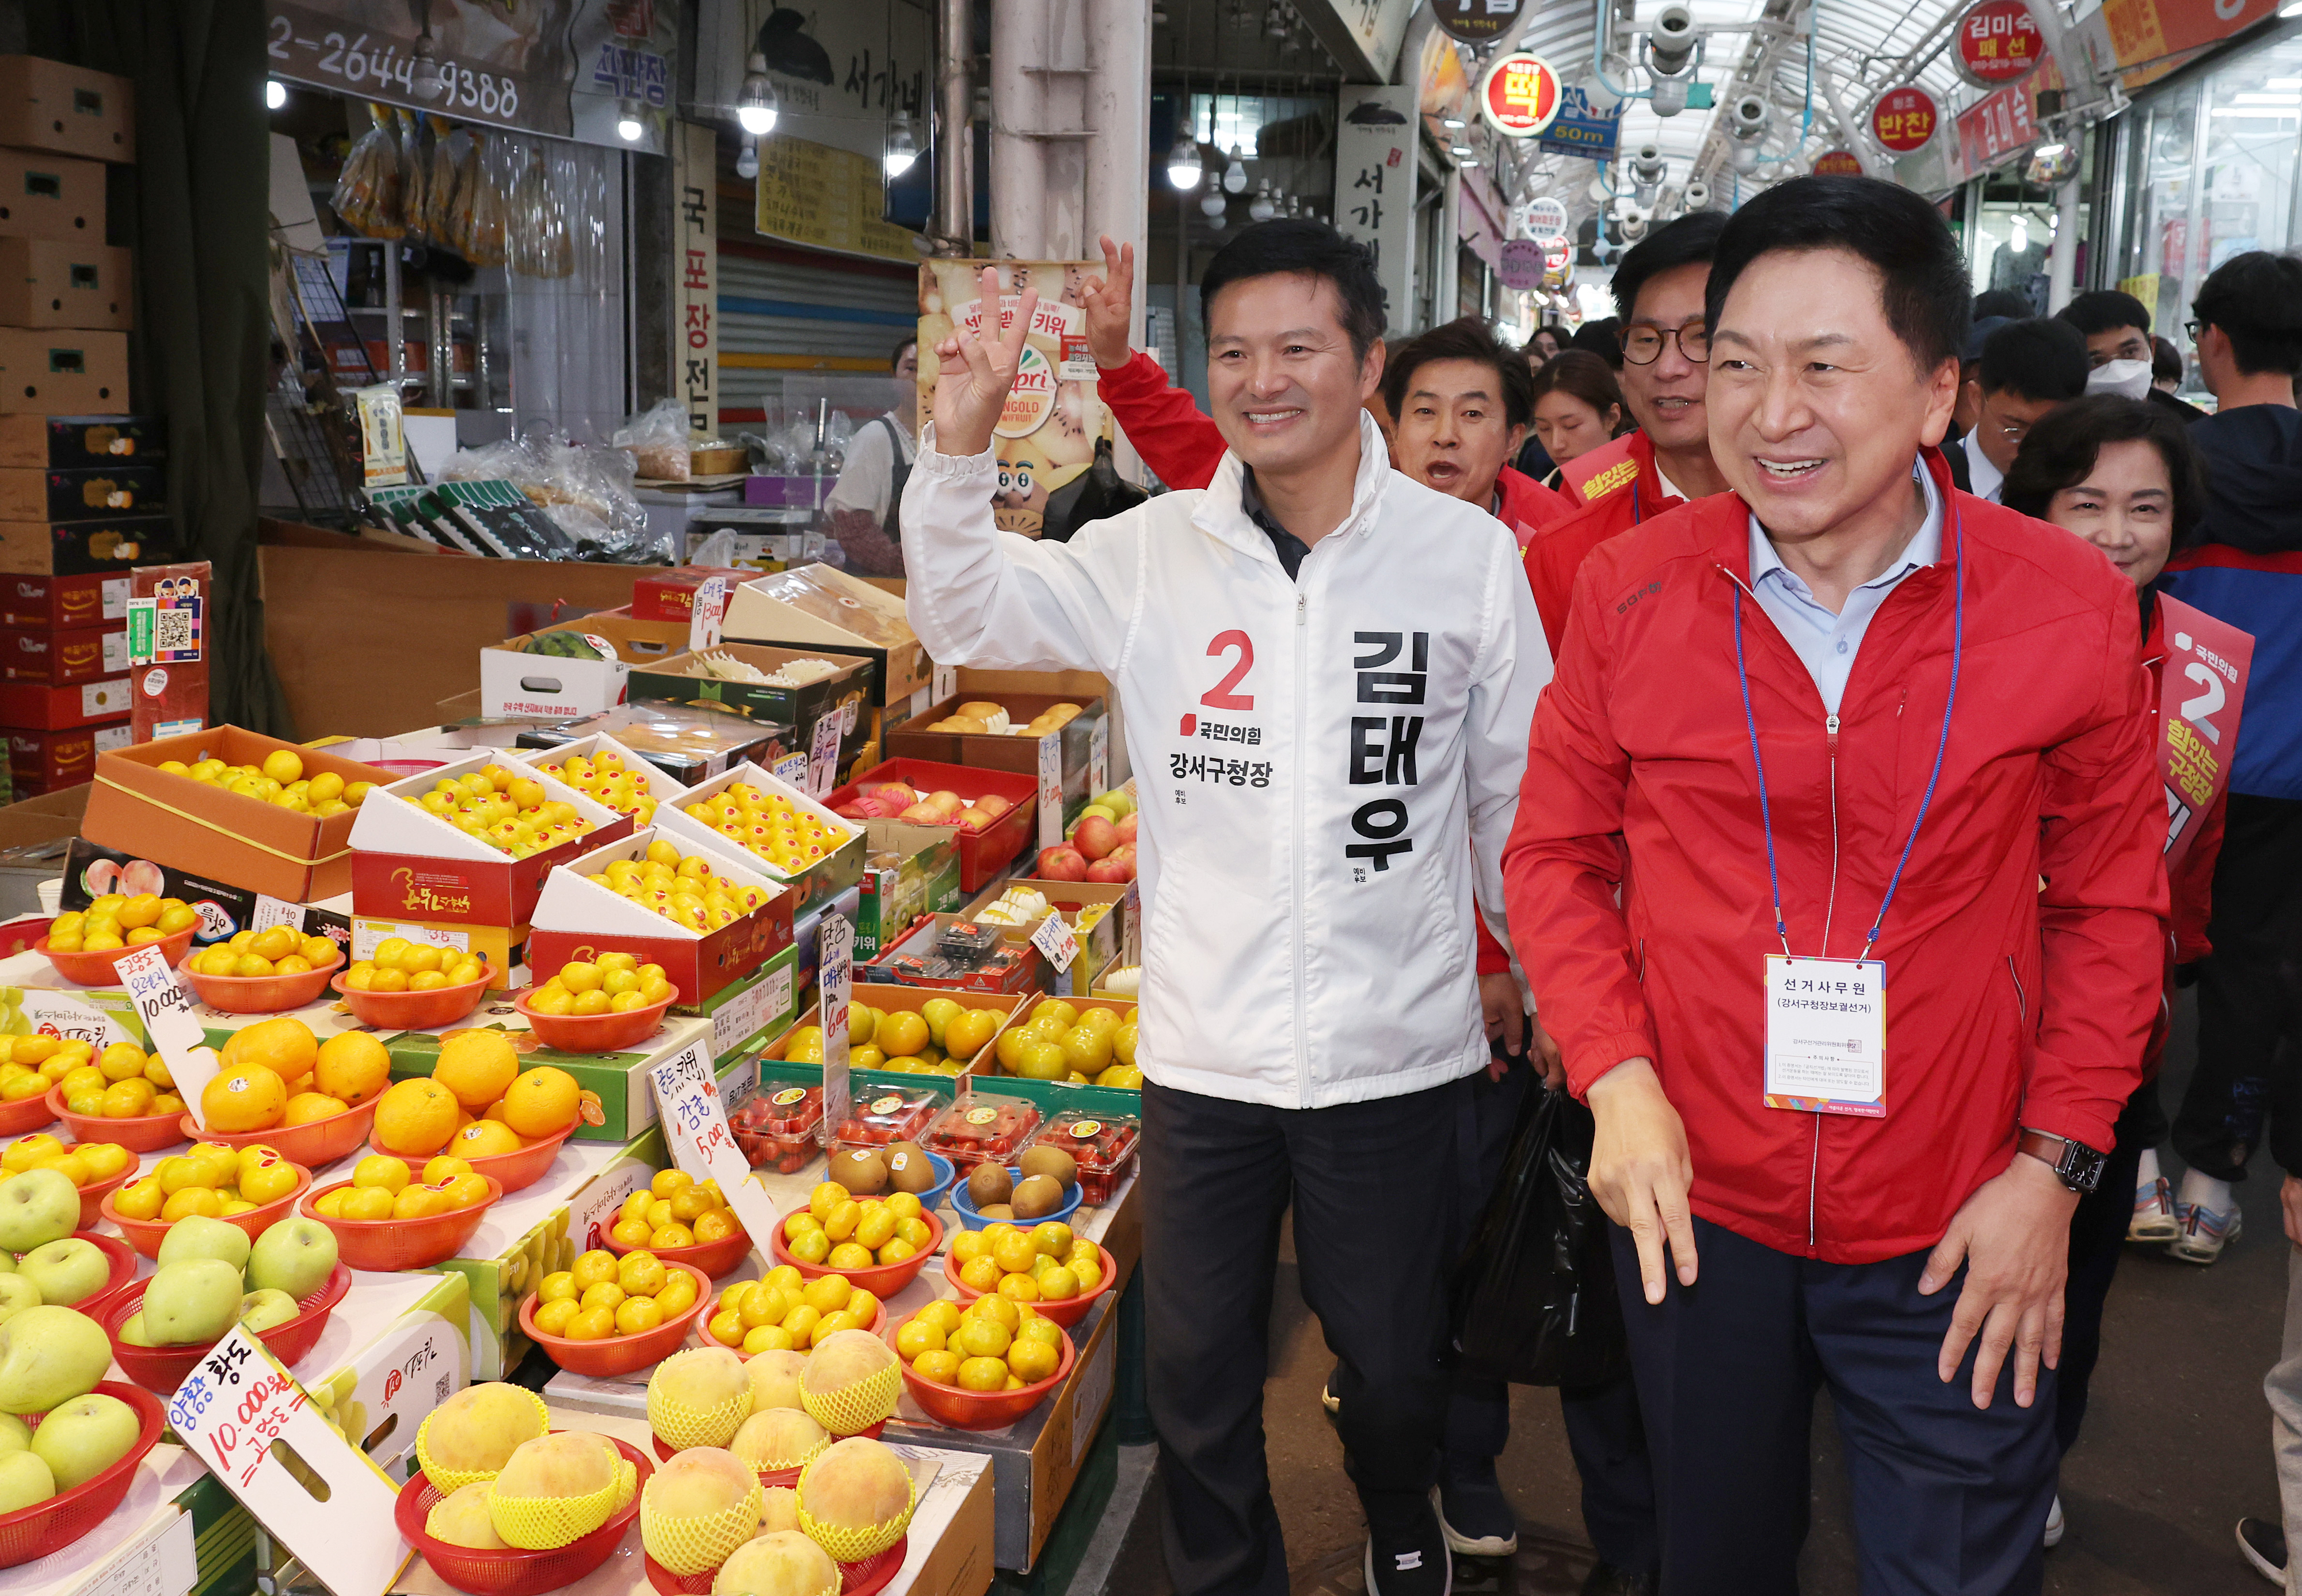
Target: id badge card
(1827,1035)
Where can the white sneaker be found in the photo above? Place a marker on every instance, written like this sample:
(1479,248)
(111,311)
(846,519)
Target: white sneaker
(2153,1219)
(2055,1525)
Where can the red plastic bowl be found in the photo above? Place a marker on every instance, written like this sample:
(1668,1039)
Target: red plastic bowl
(123,1258)
(262,994)
(714,1258)
(1066,1313)
(163,1369)
(139,1133)
(315,1144)
(618,1354)
(146,1234)
(385,1245)
(97,1193)
(866,1578)
(415,1011)
(26,1116)
(595,1033)
(51,1525)
(980,1410)
(95,970)
(512,1171)
(883,1281)
(512,1572)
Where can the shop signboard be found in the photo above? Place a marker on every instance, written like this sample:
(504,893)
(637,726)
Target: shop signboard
(1520,94)
(1477,22)
(695,262)
(840,72)
(1998,43)
(1903,120)
(1364,36)
(1046,435)
(1838,163)
(2144,39)
(2000,123)
(565,68)
(1557,254)
(1580,130)
(1374,183)
(1522,265)
(825,198)
(1546,216)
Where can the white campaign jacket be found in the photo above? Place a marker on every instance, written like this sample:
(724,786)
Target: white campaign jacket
(1322,763)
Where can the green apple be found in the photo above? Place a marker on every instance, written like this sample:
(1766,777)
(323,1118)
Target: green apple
(15,1435)
(197,1236)
(134,1333)
(1093,809)
(67,1271)
(16,1295)
(37,1207)
(85,1436)
(190,1302)
(24,1480)
(1118,802)
(49,1354)
(296,1255)
(259,1311)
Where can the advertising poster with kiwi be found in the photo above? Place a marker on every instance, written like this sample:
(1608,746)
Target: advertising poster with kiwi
(1047,434)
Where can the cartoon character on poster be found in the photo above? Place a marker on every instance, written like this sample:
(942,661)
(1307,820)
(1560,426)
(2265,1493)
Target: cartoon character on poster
(1046,435)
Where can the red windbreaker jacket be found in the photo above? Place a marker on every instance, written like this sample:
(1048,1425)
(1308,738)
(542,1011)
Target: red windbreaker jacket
(1614,500)
(2007,1005)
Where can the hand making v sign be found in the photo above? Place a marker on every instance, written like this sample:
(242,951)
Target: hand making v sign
(973,375)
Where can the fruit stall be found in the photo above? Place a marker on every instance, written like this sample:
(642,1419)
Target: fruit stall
(460,1110)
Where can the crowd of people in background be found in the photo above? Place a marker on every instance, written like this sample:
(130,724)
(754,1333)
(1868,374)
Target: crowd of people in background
(1838,662)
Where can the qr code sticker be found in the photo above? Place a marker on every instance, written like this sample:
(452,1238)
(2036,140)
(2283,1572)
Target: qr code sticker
(175,631)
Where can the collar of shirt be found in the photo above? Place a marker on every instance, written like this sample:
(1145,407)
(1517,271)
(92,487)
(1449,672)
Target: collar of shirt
(1290,548)
(1670,489)
(1825,642)
(1986,477)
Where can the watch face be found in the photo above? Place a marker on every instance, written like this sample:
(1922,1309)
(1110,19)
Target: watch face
(2081,1167)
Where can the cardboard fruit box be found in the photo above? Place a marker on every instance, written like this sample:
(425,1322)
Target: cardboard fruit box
(408,862)
(911,999)
(60,658)
(80,442)
(817,607)
(577,918)
(908,870)
(1062,1092)
(1007,751)
(982,854)
(44,599)
(46,195)
(36,706)
(1116,938)
(172,821)
(826,877)
(681,679)
(661,787)
(46,282)
(52,106)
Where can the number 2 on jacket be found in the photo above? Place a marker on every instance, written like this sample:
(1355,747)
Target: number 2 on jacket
(1221,696)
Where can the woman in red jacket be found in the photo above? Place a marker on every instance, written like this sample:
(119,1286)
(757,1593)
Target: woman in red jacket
(2121,474)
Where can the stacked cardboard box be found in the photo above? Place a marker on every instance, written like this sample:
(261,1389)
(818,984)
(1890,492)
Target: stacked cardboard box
(82,486)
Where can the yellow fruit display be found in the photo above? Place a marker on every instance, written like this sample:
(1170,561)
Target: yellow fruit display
(351,1067)
(400,965)
(478,1066)
(1043,1263)
(485,1139)
(615,982)
(856,1498)
(849,1234)
(709,1217)
(783,835)
(83,1163)
(284,1045)
(587,1303)
(604,778)
(476,1431)
(686,890)
(243,1098)
(558,1488)
(996,1344)
(399,1194)
(506,809)
(116,921)
(212,1178)
(541,1102)
(416,1116)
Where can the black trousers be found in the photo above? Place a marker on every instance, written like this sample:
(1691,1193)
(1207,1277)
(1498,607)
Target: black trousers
(1947,1498)
(2097,1242)
(1374,1190)
(2249,991)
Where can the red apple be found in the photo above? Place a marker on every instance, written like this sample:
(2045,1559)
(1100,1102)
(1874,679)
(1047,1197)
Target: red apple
(1126,826)
(994,805)
(973,820)
(1124,856)
(1095,836)
(897,794)
(1108,870)
(924,814)
(1061,863)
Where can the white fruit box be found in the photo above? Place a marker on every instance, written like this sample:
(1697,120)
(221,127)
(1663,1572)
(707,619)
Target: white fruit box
(536,686)
(577,918)
(410,862)
(396,1347)
(826,877)
(660,787)
(821,605)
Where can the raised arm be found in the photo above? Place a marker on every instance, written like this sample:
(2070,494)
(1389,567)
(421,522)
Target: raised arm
(1167,430)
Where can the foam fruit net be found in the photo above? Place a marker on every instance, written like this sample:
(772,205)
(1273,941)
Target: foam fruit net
(854,1408)
(688,1546)
(853,1545)
(547,1523)
(447,1481)
(801,1461)
(681,1424)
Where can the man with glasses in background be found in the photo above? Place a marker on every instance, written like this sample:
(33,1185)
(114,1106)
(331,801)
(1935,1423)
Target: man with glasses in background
(2027,369)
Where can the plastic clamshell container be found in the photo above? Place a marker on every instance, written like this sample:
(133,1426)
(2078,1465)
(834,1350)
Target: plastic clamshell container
(980,1410)
(146,1234)
(138,1133)
(384,1245)
(161,1369)
(512,1572)
(983,1126)
(619,1355)
(515,1171)
(315,1144)
(883,1281)
(888,1114)
(49,1527)
(1066,1313)
(262,994)
(610,1032)
(779,1128)
(95,970)
(1103,1144)
(413,1011)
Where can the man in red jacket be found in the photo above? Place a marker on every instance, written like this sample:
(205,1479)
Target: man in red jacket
(1824,736)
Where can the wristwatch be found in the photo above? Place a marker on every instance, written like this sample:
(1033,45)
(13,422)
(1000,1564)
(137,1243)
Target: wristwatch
(2075,1164)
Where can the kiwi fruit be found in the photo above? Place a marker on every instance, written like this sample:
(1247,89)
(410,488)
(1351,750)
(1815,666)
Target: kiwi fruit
(988,1183)
(1053,1162)
(1037,1196)
(996,1210)
(908,1169)
(861,1171)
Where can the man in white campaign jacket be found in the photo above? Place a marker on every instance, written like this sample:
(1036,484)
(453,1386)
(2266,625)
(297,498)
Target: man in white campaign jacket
(1329,674)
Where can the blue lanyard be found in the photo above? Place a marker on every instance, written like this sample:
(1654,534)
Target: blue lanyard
(1942,745)
(1636,517)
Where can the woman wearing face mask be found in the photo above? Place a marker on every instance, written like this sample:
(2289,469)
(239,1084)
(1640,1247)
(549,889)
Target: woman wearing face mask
(1577,407)
(2121,473)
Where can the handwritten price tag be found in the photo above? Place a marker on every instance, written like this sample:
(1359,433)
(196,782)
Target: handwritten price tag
(272,912)
(696,1129)
(823,756)
(1051,789)
(710,613)
(1098,757)
(1055,938)
(835,984)
(166,1010)
(246,1418)
(793,769)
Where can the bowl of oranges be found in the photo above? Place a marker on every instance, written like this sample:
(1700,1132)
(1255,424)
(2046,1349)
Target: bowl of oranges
(278,1084)
(263,972)
(83,945)
(599,1005)
(1043,1265)
(983,1366)
(879,1243)
(28,1066)
(681,1221)
(252,1186)
(479,1105)
(414,986)
(96,1169)
(606,1315)
(125,1094)
(388,1216)
(783,1311)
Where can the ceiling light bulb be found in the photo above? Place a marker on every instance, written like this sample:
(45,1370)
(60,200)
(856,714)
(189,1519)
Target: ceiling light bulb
(628,127)
(1451,121)
(275,94)
(747,158)
(1183,168)
(1235,174)
(1261,209)
(902,149)
(425,81)
(1212,203)
(755,108)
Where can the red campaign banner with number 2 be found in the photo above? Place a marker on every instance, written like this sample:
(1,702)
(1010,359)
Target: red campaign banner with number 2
(2202,688)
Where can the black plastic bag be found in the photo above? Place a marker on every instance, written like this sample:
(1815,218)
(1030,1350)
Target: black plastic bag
(1534,1294)
(1096,494)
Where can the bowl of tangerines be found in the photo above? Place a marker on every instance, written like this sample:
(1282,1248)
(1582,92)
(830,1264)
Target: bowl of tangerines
(388,1216)
(480,1107)
(277,1083)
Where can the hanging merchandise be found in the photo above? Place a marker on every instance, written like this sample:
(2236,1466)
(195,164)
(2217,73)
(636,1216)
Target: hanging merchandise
(541,241)
(444,176)
(368,197)
(415,175)
(480,202)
